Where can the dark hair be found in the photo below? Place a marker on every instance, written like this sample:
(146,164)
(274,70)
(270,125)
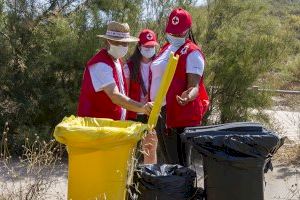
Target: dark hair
(135,59)
(191,36)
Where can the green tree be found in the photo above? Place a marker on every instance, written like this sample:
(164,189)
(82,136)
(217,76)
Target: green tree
(288,75)
(43,53)
(243,43)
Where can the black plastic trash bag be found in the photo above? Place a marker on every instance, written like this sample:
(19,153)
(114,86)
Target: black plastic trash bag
(163,182)
(234,158)
(198,194)
(242,127)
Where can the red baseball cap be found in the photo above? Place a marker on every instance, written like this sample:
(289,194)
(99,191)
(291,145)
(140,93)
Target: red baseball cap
(147,37)
(179,21)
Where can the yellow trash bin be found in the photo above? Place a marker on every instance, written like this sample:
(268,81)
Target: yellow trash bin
(99,151)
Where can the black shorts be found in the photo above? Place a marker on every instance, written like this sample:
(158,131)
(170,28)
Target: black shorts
(142,118)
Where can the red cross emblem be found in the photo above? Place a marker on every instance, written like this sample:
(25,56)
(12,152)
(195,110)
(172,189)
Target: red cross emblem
(184,49)
(149,36)
(175,20)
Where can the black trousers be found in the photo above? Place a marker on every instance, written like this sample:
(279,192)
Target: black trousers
(172,148)
(142,118)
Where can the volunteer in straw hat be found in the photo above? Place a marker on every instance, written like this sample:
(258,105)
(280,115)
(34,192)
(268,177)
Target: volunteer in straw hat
(186,100)
(103,89)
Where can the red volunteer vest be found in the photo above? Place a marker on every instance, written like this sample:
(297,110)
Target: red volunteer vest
(134,91)
(192,113)
(98,104)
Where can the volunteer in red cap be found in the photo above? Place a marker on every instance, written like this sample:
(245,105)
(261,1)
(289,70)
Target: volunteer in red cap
(137,75)
(104,89)
(186,101)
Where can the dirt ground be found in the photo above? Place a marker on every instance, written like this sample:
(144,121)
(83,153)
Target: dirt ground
(283,183)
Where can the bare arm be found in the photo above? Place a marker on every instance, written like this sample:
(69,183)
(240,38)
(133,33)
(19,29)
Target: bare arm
(122,100)
(193,82)
(193,89)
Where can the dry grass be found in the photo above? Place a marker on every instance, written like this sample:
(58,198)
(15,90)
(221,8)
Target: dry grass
(32,174)
(288,154)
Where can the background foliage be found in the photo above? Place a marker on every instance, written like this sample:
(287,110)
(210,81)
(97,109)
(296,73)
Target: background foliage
(44,45)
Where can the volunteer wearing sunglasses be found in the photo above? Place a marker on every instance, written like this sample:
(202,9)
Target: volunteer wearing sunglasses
(104,89)
(186,100)
(137,76)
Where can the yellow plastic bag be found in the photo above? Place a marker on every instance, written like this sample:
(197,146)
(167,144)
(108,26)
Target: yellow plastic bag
(99,152)
(89,133)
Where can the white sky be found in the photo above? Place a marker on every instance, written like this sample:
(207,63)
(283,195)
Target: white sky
(200,2)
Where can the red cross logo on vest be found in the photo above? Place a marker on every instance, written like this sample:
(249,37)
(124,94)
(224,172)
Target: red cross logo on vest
(184,49)
(149,36)
(175,20)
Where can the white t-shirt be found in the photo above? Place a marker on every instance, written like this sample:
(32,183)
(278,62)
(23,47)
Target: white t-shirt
(102,76)
(194,65)
(145,68)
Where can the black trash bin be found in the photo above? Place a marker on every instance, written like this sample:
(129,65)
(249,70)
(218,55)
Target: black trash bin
(234,158)
(163,182)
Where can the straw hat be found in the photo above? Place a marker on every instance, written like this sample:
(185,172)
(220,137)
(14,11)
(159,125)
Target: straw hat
(118,32)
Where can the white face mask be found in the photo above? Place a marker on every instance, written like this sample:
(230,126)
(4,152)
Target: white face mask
(147,52)
(176,41)
(117,51)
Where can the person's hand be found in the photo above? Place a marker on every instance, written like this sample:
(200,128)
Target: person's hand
(147,108)
(184,98)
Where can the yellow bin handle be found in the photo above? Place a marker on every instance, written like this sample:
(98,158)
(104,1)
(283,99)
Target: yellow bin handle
(163,89)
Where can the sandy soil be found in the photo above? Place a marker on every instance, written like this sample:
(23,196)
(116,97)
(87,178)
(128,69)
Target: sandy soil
(287,123)
(281,183)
